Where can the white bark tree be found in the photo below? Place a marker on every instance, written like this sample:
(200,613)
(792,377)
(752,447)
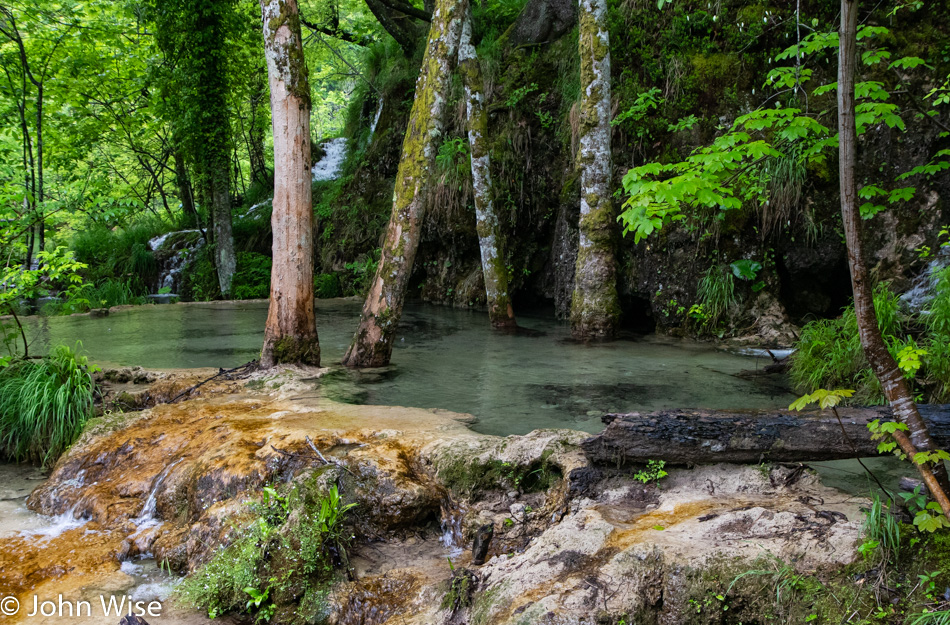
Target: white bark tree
(490,237)
(291,332)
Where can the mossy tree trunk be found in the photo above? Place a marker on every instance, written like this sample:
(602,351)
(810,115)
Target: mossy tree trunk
(225,259)
(372,345)
(290,335)
(885,368)
(490,238)
(595,309)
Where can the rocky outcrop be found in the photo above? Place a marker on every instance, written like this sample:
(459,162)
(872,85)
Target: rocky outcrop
(175,481)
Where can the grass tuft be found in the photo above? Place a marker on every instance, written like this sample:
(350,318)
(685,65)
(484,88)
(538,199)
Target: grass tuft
(44,405)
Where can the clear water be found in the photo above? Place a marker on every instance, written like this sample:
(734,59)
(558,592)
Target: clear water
(443,358)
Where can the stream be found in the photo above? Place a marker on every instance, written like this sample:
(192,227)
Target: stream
(443,358)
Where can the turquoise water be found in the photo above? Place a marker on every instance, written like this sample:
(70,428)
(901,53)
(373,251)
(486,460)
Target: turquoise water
(443,358)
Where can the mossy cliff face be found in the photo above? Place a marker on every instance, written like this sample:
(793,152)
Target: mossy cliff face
(701,68)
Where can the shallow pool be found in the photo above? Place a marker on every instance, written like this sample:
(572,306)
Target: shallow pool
(444,358)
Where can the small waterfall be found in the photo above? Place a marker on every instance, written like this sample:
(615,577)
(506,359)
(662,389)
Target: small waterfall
(922,290)
(173,251)
(58,525)
(328,167)
(146,517)
(372,126)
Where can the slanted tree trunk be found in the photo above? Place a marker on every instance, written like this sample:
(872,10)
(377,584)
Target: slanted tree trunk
(490,237)
(885,368)
(595,308)
(372,345)
(290,335)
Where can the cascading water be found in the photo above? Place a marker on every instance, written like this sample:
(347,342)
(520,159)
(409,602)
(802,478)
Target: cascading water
(372,126)
(146,517)
(328,167)
(173,251)
(922,291)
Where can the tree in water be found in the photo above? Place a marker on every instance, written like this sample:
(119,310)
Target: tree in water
(486,220)
(291,331)
(595,307)
(898,393)
(372,345)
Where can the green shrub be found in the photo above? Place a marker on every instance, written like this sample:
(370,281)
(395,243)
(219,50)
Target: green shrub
(326,285)
(44,405)
(120,252)
(252,277)
(829,352)
(716,292)
(286,554)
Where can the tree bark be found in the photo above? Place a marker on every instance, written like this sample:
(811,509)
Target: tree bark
(372,345)
(225,259)
(747,437)
(290,335)
(595,307)
(490,237)
(883,365)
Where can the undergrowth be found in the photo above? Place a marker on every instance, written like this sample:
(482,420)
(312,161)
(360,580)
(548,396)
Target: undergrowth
(44,405)
(829,352)
(283,560)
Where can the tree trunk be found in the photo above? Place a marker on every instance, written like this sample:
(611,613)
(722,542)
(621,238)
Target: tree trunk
(372,345)
(40,217)
(885,368)
(595,308)
(748,437)
(225,260)
(490,237)
(185,192)
(290,335)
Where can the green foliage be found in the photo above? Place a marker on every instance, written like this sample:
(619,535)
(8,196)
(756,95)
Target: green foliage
(44,405)
(119,253)
(252,277)
(652,473)
(286,554)
(883,529)
(829,353)
(716,292)
(326,285)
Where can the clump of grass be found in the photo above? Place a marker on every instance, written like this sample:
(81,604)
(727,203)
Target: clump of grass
(717,293)
(829,352)
(282,561)
(44,405)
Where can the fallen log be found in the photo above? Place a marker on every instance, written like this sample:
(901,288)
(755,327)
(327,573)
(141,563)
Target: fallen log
(686,437)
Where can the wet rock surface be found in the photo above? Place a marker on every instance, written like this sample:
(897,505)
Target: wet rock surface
(557,534)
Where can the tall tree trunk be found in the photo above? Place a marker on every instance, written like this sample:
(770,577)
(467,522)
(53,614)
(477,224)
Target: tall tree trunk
(291,331)
(490,237)
(885,368)
(225,260)
(40,217)
(595,308)
(373,344)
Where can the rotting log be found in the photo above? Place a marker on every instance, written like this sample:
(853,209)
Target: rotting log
(685,437)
